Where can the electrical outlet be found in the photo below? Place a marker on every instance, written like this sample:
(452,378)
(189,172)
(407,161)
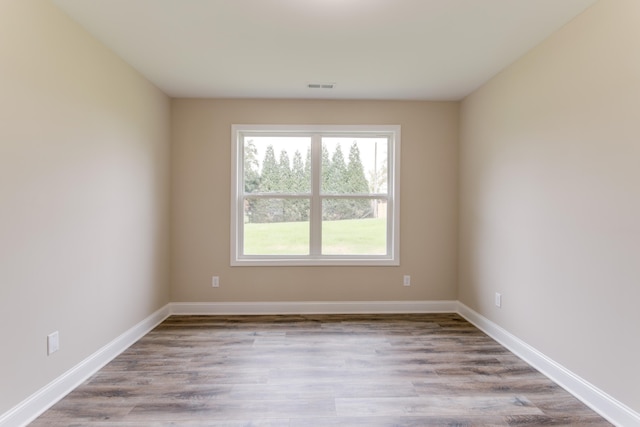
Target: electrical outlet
(498,299)
(406,281)
(215,281)
(53,342)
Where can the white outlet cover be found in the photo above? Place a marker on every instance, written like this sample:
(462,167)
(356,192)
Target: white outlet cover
(53,342)
(498,299)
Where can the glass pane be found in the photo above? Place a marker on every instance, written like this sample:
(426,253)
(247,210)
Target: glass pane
(354,227)
(276,226)
(277,164)
(354,165)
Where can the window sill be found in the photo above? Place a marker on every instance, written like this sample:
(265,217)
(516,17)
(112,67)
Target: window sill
(307,262)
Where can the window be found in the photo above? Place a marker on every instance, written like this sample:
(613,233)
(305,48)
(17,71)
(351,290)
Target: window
(315,195)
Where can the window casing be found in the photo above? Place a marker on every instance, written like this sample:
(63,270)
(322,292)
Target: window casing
(315,195)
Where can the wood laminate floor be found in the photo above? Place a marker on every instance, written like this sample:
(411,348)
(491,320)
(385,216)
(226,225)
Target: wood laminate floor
(318,370)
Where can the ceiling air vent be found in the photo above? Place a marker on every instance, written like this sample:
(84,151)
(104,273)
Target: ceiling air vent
(321,85)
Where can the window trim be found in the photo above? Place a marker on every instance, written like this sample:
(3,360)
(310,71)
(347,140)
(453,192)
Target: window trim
(393,197)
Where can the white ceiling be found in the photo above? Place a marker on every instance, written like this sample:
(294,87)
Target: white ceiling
(371,49)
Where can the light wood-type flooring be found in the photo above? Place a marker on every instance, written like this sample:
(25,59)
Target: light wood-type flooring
(318,370)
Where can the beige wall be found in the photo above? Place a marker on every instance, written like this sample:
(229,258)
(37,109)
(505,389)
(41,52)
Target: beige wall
(201,172)
(550,198)
(84,186)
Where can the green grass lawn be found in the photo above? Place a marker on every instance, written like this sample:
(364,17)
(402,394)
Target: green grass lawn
(346,237)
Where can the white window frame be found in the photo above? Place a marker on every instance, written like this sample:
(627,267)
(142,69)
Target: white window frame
(392,257)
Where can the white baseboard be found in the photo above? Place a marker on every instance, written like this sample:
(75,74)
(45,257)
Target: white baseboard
(614,411)
(32,407)
(315,307)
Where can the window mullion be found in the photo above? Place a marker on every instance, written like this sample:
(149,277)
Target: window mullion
(315,239)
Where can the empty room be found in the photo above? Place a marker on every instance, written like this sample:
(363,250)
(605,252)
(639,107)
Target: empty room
(319,213)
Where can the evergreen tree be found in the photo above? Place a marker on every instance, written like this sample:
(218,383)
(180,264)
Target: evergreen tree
(334,181)
(284,185)
(307,169)
(270,178)
(338,172)
(284,172)
(268,210)
(357,184)
(325,169)
(300,183)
